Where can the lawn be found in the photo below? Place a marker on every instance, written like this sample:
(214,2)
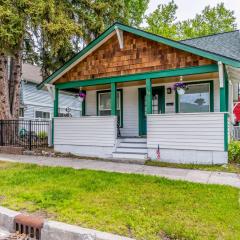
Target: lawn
(143,207)
(230,167)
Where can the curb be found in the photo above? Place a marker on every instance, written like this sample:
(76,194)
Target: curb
(7,217)
(50,230)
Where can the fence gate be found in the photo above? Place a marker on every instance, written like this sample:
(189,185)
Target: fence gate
(28,134)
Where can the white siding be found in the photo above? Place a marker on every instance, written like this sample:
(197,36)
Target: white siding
(203,131)
(40,100)
(130,112)
(85,131)
(130,105)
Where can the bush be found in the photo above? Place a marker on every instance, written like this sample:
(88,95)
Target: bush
(234,152)
(42,134)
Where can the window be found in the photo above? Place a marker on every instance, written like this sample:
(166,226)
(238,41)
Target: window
(197,98)
(21,112)
(43,115)
(104,104)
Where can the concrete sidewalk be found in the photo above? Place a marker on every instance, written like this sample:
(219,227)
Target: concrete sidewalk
(198,176)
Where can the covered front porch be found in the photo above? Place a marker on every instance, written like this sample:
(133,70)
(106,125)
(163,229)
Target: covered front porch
(141,116)
(131,109)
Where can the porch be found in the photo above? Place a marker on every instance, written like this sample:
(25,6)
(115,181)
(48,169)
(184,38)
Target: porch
(147,119)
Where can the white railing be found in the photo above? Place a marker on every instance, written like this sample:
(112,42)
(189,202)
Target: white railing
(98,131)
(190,131)
(236,133)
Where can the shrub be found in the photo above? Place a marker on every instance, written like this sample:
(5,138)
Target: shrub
(234,152)
(42,134)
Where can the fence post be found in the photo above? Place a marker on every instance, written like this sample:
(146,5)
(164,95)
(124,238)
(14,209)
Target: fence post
(1,132)
(30,136)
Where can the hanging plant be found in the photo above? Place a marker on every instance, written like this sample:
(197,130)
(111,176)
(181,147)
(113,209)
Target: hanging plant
(180,87)
(82,96)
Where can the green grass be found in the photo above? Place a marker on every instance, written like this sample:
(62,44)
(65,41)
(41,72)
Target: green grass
(231,167)
(143,207)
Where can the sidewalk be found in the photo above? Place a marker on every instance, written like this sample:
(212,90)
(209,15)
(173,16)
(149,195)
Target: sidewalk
(198,176)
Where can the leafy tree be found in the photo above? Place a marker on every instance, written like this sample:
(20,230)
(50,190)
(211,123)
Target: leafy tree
(162,20)
(49,33)
(18,19)
(213,20)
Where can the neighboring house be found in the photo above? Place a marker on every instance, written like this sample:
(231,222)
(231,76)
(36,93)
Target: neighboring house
(38,104)
(129,75)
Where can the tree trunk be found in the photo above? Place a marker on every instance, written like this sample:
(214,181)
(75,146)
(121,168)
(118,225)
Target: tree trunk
(10,80)
(5,112)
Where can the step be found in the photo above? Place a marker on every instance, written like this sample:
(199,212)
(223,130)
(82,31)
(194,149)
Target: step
(131,150)
(133,144)
(135,140)
(129,155)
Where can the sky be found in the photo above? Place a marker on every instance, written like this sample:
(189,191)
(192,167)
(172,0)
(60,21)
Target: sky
(188,8)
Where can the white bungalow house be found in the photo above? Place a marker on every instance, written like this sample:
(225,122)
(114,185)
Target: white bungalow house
(129,77)
(38,104)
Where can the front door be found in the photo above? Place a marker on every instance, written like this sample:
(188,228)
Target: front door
(158,106)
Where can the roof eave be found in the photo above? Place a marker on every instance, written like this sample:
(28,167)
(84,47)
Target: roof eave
(150,36)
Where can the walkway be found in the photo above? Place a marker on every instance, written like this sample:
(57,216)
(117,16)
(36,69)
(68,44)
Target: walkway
(231,179)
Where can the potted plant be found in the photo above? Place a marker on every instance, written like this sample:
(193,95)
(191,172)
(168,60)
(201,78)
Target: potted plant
(180,87)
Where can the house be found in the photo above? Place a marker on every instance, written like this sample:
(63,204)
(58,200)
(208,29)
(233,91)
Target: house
(38,104)
(131,108)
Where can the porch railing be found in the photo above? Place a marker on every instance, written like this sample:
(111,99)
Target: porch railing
(28,134)
(236,133)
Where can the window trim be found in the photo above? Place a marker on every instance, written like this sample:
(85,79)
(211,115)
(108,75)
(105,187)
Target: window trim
(121,103)
(211,88)
(36,110)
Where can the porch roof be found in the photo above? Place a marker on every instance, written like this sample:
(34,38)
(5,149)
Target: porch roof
(226,59)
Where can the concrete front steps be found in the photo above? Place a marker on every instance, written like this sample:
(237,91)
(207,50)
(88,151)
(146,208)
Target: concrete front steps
(131,148)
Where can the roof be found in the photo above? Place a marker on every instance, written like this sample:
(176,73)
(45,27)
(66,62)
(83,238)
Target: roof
(226,44)
(31,73)
(182,45)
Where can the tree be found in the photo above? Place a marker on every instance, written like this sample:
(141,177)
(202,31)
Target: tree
(162,20)
(49,33)
(213,20)
(17,20)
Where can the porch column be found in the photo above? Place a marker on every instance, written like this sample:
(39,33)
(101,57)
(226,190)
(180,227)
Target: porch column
(56,102)
(113,99)
(149,95)
(223,88)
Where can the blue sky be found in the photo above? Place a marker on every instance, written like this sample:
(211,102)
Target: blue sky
(188,8)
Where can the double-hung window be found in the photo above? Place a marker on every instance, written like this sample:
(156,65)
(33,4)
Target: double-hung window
(104,104)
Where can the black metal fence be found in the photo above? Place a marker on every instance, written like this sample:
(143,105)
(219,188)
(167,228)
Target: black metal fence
(28,134)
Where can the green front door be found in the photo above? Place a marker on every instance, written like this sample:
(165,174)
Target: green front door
(158,106)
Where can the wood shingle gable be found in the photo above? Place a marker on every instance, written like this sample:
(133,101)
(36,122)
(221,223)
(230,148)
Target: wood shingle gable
(139,55)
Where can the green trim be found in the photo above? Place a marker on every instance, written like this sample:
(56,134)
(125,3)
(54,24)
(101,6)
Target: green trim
(77,56)
(149,95)
(121,103)
(225,132)
(56,102)
(52,131)
(141,76)
(84,106)
(141,110)
(153,37)
(224,101)
(113,99)
(180,45)
(192,83)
